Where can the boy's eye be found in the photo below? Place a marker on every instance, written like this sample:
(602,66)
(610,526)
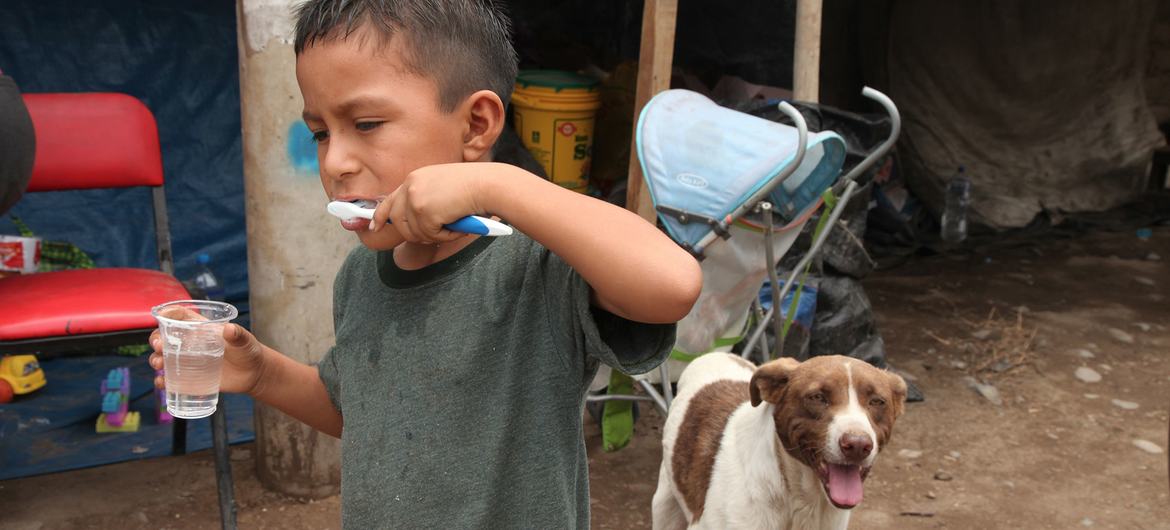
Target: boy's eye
(368,125)
(320,136)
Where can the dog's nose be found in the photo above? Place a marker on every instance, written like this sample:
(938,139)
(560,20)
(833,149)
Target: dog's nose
(855,446)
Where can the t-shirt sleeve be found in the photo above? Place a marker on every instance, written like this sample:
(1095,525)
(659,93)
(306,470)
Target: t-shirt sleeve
(628,346)
(330,375)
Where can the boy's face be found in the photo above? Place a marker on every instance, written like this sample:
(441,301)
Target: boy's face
(374,122)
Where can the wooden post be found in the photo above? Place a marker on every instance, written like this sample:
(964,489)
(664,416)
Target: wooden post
(654,62)
(806,55)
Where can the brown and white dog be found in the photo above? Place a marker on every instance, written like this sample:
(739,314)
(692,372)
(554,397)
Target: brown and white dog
(797,461)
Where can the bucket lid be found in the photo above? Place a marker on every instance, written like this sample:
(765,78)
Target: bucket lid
(557,80)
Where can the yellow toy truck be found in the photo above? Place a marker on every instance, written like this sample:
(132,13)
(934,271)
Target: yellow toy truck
(19,374)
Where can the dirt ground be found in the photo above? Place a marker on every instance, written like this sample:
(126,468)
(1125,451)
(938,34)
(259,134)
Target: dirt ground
(1055,452)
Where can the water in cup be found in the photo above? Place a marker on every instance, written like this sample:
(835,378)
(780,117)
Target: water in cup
(192,359)
(193,345)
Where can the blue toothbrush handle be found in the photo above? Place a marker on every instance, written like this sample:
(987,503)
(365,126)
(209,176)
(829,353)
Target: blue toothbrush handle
(474,224)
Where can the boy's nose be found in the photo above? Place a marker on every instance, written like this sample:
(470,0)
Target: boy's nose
(336,161)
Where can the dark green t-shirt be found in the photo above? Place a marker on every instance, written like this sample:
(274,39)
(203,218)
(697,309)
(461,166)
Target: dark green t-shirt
(462,386)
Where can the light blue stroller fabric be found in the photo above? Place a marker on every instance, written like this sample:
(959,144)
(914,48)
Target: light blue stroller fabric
(706,159)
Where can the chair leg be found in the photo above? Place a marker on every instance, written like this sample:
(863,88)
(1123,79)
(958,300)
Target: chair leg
(179,437)
(667,391)
(223,468)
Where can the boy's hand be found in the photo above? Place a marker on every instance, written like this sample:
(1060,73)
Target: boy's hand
(243,358)
(430,197)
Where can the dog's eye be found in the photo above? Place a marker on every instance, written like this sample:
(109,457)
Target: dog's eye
(818,398)
(877,402)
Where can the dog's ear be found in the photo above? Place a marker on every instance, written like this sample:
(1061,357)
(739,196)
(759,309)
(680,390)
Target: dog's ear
(899,387)
(770,379)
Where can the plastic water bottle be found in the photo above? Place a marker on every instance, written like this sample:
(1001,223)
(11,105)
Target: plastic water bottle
(206,279)
(954,217)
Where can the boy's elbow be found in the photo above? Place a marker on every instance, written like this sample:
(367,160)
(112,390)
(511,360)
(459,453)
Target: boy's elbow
(685,290)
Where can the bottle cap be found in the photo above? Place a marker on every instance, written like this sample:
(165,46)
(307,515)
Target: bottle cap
(203,258)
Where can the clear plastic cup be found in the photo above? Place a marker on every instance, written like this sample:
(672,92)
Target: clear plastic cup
(192,341)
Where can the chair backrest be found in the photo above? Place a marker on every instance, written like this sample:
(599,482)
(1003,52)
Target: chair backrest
(99,140)
(93,140)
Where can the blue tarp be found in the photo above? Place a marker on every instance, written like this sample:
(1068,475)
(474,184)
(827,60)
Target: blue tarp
(179,58)
(52,429)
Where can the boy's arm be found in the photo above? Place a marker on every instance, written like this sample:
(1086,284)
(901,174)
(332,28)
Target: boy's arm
(268,376)
(634,270)
(296,389)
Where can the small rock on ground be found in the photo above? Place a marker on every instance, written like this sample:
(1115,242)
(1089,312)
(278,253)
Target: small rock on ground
(1083,353)
(909,453)
(1127,405)
(1087,374)
(1147,446)
(990,393)
(1121,336)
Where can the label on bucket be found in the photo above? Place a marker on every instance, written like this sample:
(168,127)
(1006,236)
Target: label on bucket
(561,142)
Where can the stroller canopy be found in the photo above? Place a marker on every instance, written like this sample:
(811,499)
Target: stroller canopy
(703,159)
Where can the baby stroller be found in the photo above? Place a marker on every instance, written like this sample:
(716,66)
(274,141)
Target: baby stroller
(735,190)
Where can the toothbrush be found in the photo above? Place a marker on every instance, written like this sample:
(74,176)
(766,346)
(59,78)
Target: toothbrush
(472,224)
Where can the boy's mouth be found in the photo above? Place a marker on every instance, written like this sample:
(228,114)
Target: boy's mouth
(357,224)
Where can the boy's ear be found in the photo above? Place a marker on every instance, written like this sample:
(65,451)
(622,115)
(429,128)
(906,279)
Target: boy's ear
(485,119)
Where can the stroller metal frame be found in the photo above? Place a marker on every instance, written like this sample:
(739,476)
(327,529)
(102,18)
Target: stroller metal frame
(844,189)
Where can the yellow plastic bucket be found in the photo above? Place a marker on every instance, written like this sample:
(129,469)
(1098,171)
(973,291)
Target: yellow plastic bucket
(553,114)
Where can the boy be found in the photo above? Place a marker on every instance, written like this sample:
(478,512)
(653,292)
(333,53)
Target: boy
(461,363)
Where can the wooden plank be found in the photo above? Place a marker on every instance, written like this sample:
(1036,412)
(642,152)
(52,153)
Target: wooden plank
(655,59)
(806,55)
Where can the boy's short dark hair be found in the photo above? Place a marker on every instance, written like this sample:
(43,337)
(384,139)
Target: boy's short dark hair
(464,45)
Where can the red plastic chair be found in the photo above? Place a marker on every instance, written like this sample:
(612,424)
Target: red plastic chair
(90,141)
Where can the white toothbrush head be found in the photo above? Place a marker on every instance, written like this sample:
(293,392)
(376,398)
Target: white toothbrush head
(351,210)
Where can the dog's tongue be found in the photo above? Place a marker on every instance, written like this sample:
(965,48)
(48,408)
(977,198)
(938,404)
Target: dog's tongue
(845,485)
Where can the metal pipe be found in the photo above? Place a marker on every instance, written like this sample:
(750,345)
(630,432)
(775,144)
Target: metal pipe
(654,395)
(895,131)
(162,231)
(664,375)
(808,256)
(844,184)
(223,467)
(617,397)
(774,280)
